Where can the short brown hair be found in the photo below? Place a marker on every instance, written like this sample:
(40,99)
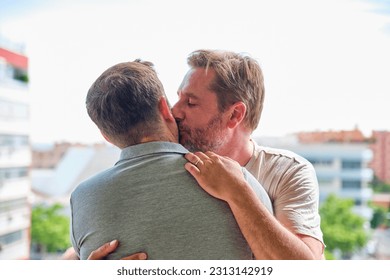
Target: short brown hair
(238,78)
(123,101)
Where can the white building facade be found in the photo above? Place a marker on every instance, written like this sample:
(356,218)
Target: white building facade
(342,169)
(15,154)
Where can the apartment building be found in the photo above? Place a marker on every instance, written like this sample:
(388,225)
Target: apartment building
(342,169)
(15,153)
(341,161)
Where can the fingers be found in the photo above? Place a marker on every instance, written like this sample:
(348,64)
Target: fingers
(193,164)
(137,256)
(193,159)
(196,159)
(109,247)
(210,154)
(192,169)
(103,251)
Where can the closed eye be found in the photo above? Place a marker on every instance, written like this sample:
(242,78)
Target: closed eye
(191,102)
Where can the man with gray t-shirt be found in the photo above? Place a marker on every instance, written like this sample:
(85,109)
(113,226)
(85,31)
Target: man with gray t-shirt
(148,201)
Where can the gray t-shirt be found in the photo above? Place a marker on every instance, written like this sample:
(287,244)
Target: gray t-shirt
(150,203)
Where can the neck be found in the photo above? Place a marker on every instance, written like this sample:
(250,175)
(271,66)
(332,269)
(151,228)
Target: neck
(164,138)
(239,149)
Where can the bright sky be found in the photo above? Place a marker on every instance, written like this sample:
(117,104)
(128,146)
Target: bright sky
(326,63)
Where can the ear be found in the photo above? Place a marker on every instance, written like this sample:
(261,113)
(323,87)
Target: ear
(237,114)
(165,110)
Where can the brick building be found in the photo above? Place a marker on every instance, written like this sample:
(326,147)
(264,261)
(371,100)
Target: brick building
(381,160)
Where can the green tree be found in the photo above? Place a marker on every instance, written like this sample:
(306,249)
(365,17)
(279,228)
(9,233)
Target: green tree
(343,230)
(379,218)
(50,228)
(379,186)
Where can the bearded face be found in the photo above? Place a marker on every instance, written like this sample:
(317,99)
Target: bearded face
(208,138)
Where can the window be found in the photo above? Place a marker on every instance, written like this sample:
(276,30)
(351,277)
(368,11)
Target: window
(358,202)
(12,173)
(11,237)
(6,206)
(14,141)
(320,162)
(351,184)
(13,111)
(20,75)
(351,164)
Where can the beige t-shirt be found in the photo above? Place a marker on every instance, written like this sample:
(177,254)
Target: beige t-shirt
(291,183)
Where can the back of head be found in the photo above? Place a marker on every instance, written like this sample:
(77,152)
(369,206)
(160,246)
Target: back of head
(123,102)
(238,78)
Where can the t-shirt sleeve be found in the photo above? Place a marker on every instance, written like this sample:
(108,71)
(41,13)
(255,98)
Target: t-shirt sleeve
(296,204)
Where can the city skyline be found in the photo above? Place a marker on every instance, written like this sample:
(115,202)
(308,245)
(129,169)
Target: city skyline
(326,63)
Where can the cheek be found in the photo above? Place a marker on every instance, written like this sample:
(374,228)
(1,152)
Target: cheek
(197,121)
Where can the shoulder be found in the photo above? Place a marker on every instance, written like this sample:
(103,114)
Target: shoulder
(281,159)
(282,154)
(93,182)
(277,168)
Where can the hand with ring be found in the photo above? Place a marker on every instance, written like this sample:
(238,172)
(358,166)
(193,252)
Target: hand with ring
(217,175)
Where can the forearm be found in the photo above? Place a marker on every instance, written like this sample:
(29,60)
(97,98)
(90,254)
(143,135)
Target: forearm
(265,235)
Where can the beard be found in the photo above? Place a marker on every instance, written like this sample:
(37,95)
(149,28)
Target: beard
(210,138)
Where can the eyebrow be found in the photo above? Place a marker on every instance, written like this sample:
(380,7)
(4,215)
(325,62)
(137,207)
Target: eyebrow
(188,94)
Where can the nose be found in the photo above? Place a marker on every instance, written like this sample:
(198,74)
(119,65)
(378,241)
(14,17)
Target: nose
(177,112)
